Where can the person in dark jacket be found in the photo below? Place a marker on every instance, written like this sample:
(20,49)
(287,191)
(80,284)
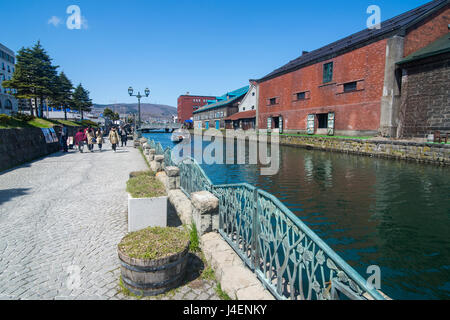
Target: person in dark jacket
(64,137)
(123,136)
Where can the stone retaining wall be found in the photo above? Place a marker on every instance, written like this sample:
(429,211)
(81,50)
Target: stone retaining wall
(438,154)
(18,146)
(419,152)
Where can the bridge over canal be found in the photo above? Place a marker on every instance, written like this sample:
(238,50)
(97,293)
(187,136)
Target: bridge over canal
(167,127)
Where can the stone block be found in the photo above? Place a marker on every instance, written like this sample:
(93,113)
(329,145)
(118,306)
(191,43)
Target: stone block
(146,212)
(172,171)
(173,177)
(205,210)
(151,154)
(155,166)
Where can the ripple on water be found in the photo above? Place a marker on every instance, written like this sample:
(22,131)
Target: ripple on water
(393,214)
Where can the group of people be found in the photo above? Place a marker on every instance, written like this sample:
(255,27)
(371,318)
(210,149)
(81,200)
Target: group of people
(91,137)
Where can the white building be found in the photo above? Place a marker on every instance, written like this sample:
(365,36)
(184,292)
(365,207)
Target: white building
(246,118)
(250,101)
(8,103)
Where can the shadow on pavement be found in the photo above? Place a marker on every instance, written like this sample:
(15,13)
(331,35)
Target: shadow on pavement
(8,194)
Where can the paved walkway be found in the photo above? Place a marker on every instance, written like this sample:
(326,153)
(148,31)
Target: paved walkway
(61,219)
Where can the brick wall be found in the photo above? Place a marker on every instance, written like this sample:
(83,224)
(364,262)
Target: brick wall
(186,105)
(426,97)
(355,111)
(428,31)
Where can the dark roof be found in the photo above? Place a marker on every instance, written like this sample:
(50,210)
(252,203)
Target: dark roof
(396,25)
(440,46)
(242,115)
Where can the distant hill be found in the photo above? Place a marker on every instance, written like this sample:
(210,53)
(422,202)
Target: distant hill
(148,110)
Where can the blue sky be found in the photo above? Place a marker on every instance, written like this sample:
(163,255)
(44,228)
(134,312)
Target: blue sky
(204,47)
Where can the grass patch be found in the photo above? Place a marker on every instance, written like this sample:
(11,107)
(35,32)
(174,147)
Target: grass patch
(222,294)
(126,292)
(145,185)
(193,236)
(20,121)
(208,273)
(145,158)
(154,243)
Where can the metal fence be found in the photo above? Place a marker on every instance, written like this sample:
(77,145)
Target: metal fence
(287,256)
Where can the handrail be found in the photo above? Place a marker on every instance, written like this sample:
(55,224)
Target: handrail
(290,259)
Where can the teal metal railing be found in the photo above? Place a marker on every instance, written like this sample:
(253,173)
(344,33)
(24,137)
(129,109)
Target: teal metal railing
(286,255)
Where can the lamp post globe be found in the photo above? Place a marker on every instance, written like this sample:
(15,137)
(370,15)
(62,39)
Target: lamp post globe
(130,91)
(147,92)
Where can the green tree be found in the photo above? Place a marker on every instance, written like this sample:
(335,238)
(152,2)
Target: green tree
(81,100)
(62,93)
(111,115)
(34,75)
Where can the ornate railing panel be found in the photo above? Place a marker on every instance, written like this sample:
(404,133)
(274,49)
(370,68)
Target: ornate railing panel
(286,255)
(168,157)
(192,177)
(295,263)
(159,149)
(236,212)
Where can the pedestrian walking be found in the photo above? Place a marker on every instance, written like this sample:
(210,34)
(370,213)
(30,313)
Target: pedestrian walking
(123,137)
(64,137)
(90,136)
(80,137)
(99,138)
(113,138)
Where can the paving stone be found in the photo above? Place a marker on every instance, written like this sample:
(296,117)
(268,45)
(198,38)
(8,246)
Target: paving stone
(67,216)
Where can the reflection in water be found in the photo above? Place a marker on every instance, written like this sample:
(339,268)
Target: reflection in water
(371,211)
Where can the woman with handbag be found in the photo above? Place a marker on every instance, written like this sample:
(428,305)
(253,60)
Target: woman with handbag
(99,138)
(90,139)
(113,138)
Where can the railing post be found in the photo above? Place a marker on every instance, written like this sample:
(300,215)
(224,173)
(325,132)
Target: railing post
(255,231)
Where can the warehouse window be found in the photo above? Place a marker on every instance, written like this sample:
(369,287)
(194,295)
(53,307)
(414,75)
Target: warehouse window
(327,72)
(301,96)
(273,101)
(350,86)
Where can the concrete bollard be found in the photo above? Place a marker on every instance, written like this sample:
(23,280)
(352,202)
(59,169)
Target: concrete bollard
(205,212)
(156,164)
(151,155)
(142,141)
(146,149)
(173,177)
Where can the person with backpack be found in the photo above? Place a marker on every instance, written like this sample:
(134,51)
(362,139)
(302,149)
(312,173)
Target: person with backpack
(123,136)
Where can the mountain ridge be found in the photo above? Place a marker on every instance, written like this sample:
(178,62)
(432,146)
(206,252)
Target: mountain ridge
(147,109)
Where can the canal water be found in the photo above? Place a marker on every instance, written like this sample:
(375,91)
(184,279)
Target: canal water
(371,211)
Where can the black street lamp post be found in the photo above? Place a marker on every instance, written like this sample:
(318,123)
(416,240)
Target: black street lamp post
(139,96)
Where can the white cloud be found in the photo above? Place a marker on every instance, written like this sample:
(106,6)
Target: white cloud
(55,21)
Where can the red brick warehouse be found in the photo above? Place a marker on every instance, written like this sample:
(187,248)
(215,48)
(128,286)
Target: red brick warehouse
(352,86)
(187,104)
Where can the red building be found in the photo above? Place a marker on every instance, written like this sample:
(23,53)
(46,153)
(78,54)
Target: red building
(187,104)
(352,86)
